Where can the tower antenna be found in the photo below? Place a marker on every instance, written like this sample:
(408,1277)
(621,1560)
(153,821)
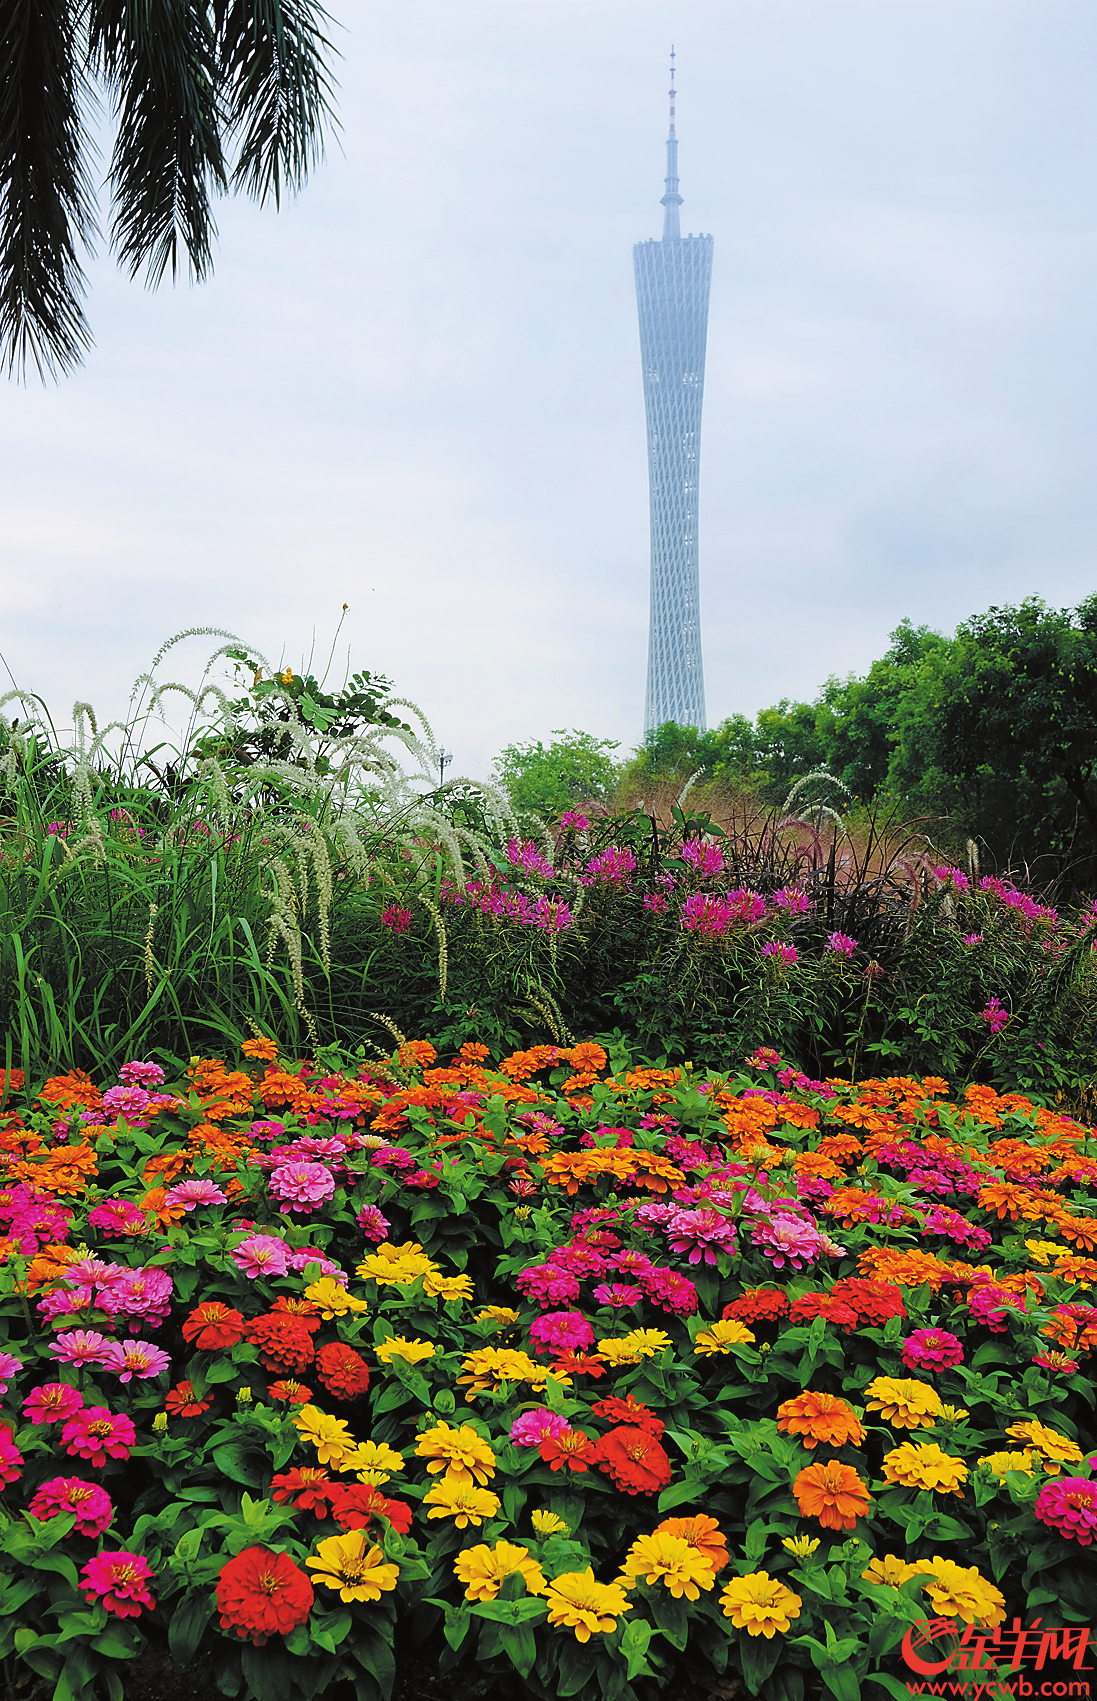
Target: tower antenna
(671,200)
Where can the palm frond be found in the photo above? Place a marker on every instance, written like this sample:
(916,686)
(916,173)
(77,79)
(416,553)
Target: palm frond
(277,90)
(158,58)
(46,206)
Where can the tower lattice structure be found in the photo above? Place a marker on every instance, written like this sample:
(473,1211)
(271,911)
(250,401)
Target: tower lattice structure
(672,294)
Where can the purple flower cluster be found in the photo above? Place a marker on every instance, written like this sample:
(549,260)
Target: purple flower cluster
(612,867)
(524,854)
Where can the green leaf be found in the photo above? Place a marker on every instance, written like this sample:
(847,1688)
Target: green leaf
(671,1618)
(456,1626)
(267,1671)
(188,1624)
(59,1563)
(233,1462)
(757,1655)
(374,1653)
(842,1682)
(510,1612)
(520,1644)
(634,1645)
(891,1684)
(575,1668)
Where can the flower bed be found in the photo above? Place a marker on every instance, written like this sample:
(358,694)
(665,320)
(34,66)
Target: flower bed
(616,1383)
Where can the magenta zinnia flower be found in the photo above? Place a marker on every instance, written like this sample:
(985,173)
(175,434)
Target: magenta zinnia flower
(619,1294)
(668,1291)
(702,1234)
(137,1074)
(932,1349)
(261,1255)
(93,1434)
(119,1581)
(116,1217)
(135,1358)
(372,1223)
(92,1505)
(11,1460)
(55,1402)
(559,1332)
(1069,1505)
(9,1366)
(532,1428)
(547,1284)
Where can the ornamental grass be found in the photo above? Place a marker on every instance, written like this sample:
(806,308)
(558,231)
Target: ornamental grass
(596,1379)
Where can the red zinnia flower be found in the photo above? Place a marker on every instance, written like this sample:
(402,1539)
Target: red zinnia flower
(212,1325)
(357,1504)
(874,1302)
(629,1411)
(634,1460)
(182,1401)
(285,1343)
(579,1364)
(302,1308)
(811,1305)
(294,1393)
(312,1488)
(757,1305)
(572,1449)
(262,1594)
(343,1372)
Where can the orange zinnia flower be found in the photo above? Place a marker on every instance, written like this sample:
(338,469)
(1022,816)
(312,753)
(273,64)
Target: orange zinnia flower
(703,1534)
(572,1450)
(820,1417)
(832,1493)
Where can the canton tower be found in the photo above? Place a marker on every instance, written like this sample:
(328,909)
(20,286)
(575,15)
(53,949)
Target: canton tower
(672,290)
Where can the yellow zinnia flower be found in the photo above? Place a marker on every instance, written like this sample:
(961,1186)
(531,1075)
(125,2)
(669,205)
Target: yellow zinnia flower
(800,1547)
(924,1465)
(1044,1250)
(447,1288)
(902,1402)
(958,1591)
(488,1367)
(354,1566)
(461,1453)
(333,1300)
(578,1602)
(1054,1448)
(330,1436)
(719,1336)
(498,1314)
(759,1604)
(1000,1463)
(670,1560)
(647,1342)
(374,1461)
(615,1353)
(460,1499)
(412,1352)
(548,1524)
(888,1571)
(485,1569)
(392,1265)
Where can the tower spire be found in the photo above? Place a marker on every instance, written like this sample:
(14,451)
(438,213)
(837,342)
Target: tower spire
(671,200)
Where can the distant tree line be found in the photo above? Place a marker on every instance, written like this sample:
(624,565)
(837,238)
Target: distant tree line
(991,733)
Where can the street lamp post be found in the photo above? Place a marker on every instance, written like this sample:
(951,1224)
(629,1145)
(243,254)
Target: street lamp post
(443,757)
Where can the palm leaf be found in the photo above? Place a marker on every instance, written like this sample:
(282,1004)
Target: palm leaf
(277,89)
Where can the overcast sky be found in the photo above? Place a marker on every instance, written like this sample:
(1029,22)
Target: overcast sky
(417,389)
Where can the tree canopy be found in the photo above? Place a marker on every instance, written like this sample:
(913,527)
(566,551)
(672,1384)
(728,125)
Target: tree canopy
(547,779)
(208,97)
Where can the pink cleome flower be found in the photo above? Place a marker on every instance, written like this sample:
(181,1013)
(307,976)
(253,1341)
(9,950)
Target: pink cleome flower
(532,1428)
(93,1434)
(785,954)
(841,943)
(396,918)
(301,1187)
(614,867)
(135,1358)
(119,1581)
(791,899)
(932,1349)
(54,1402)
(260,1255)
(561,1332)
(195,1191)
(708,916)
(703,856)
(11,1460)
(92,1505)
(995,1016)
(1069,1505)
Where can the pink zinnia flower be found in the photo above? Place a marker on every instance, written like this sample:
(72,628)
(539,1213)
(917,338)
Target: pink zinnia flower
(265,1130)
(119,1581)
(195,1192)
(9,1366)
(618,1294)
(135,1358)
(301,1187)
(932,1349)
(11,1460)
(559,1332)
(372,1223)
(115,1217)
(91,1504)
(532,1428)
(55,1402)
(786,1239)
(547,1284)
(1069,1505)
(261,1255)
(991,1304)
(94,1433)
(668,1291)
(633,1263)
(143,1296)
(80,1346)
(137,1074)
(702,1234)
(306,1255)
